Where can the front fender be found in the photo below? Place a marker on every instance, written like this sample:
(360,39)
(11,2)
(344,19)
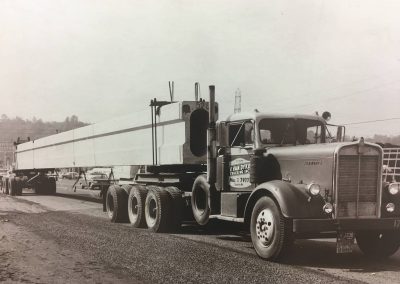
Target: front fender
(293,200)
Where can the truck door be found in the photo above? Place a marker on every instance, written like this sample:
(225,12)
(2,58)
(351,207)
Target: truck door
(241,144)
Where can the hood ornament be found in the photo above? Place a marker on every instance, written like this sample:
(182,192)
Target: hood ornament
(361,146)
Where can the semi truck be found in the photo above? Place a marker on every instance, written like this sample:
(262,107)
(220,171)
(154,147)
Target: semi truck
(284,177)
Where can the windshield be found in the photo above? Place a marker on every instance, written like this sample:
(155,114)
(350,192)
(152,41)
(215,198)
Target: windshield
(291,131)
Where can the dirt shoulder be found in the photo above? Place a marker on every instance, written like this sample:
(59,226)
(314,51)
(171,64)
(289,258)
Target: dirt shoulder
(26,258)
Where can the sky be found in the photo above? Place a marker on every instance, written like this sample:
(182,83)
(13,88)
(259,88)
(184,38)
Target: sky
(105,58)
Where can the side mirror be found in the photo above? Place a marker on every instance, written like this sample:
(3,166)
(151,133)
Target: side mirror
(341,131)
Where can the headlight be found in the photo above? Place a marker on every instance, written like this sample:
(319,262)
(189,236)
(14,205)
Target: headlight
(394,188)
(313,189)
(390,207)
(328,208)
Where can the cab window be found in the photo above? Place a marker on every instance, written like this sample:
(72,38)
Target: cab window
(241,134)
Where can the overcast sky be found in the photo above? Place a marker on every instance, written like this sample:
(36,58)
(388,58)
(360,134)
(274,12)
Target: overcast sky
(98,59)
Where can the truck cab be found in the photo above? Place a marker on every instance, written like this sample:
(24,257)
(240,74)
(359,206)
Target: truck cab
(241,137)
(288,176)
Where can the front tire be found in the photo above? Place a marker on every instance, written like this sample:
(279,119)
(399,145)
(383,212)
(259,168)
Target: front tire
(378,244)
(270,232)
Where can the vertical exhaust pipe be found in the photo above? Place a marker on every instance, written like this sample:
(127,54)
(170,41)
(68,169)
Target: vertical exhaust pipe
(211,149)
(215,196)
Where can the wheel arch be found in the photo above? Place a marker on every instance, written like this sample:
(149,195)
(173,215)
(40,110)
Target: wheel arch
(293,201)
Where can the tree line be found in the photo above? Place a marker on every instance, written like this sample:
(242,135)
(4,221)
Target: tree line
(12,128)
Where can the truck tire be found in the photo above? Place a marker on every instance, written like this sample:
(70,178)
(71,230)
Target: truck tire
(177,206)
(19,186)
(136,201)
(378,245)
(270,233)
(127,188)
(157,209)
(7,186)
(117,204)
(12,186)
(4,186)
(201,200)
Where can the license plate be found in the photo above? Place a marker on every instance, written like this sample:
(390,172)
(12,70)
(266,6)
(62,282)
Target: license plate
(344,242)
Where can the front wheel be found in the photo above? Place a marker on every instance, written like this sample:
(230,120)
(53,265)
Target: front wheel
(270,232)
(378,244)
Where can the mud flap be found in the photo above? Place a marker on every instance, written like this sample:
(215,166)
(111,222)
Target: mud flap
(344,242)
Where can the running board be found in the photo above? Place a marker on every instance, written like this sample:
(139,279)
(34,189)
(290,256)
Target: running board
(227,218)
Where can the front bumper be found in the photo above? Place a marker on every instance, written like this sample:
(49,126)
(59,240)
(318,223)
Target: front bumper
(331,225)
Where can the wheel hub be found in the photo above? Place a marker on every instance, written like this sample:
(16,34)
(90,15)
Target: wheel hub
(265,227)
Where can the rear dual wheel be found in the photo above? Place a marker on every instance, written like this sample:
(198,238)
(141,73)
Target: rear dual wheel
(158,209)
(14,186)
(136,204)
(117,204)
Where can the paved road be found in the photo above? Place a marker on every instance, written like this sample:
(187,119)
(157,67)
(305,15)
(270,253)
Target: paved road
(53,239)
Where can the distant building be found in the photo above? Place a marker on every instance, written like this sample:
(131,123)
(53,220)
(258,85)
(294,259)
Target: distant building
(7,150)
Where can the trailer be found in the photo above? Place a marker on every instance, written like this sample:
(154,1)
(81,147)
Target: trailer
(282,176)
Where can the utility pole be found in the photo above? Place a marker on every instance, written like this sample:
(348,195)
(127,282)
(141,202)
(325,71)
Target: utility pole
(238,101)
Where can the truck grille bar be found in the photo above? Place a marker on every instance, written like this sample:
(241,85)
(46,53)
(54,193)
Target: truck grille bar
(357,186)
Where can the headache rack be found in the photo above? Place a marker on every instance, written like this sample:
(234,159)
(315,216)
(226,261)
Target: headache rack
(391,164)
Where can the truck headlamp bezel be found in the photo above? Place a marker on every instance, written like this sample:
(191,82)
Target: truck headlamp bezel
(390,207)
(394,188)
(313,189)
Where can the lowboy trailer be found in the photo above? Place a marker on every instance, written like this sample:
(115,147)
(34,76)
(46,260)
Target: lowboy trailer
(283,176)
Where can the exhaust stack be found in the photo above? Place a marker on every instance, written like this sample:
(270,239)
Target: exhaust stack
(211,149)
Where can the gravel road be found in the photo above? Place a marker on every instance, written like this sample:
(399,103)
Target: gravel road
(52,239)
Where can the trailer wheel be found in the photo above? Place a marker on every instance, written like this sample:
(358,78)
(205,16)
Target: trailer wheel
(7,185)
(177,208)
(201,200)
(270,233)
(12,186)
(4,185)
(377,244)
(18,186)
(136,202)
(157,209)
(117,204)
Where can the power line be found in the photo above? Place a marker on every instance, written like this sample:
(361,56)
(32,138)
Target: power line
(371,121)
(340,97)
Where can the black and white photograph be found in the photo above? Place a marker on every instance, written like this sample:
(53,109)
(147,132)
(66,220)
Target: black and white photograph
(183,141)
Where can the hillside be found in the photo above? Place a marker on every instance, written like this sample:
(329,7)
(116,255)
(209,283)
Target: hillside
(12,128)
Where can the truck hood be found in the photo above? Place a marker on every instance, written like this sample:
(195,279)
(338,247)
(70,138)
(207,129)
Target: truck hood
(311,151)
(305,164)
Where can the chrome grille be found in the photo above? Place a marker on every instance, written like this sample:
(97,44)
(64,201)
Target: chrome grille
(357,186)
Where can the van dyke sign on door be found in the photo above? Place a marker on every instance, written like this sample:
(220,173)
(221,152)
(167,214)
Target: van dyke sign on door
(239,175)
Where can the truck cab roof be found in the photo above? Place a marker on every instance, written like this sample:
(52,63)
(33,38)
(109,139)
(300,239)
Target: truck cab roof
(256,116)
